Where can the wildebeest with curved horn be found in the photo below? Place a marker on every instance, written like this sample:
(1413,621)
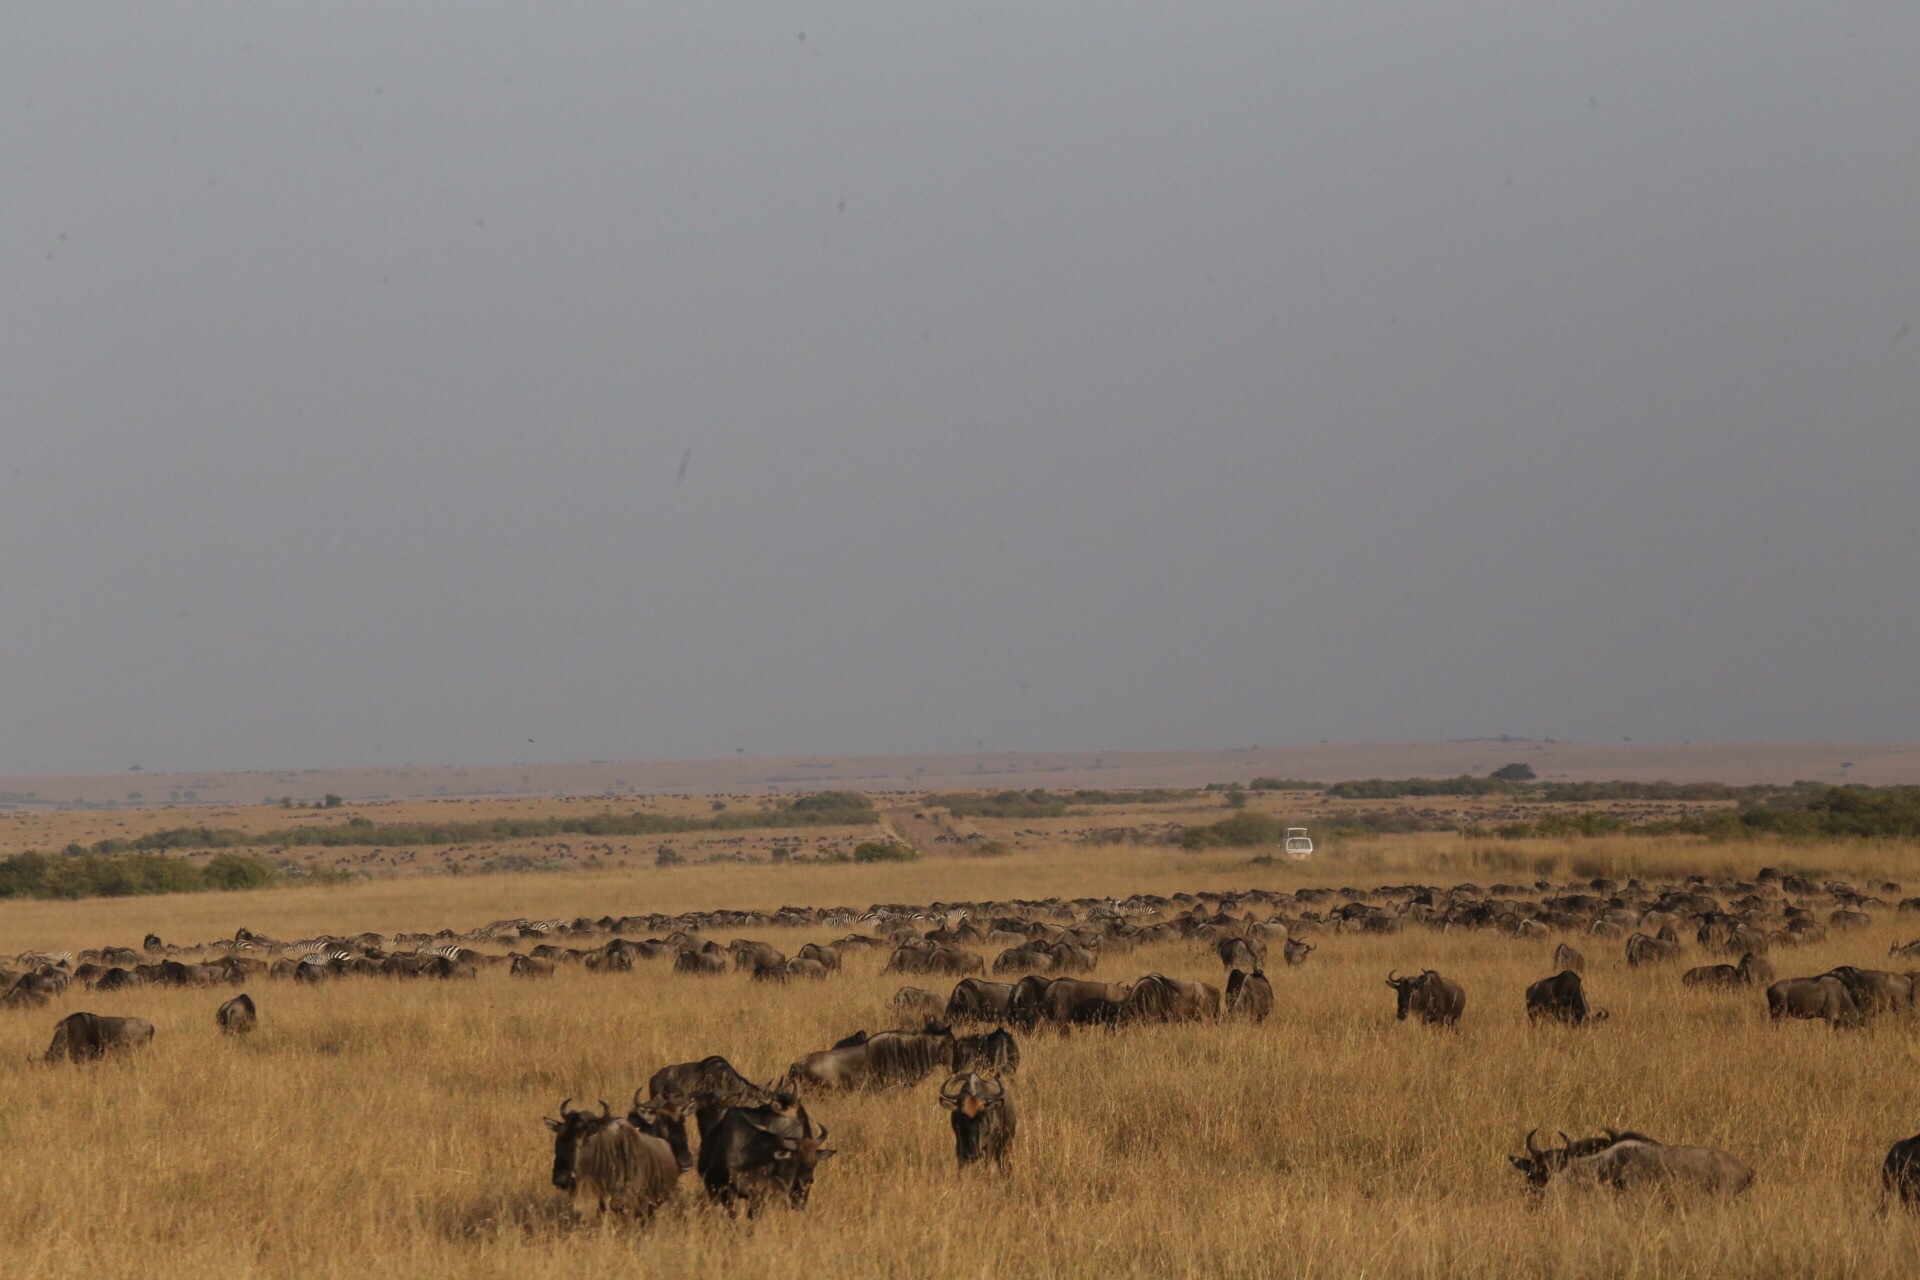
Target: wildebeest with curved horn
(876,1061)
(977,1000)
(1629,1161)
(1565,957)
(605,1161)
(1561,998)
(752,1153)
(1429,997)
(1296,952)
(88,1037)
(983,1118)
(237,1016)
(1158,998)
(1249,995)
(1240,953)
(711,1084)
(1642,949)
(665,1118)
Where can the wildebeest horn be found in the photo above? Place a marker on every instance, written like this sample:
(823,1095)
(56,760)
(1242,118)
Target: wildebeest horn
(1565,1139)
(636,1099)
(1391,977)
(999,1089)
(563,1109)
(822,1135)
(605,1110)
(948,1091)
(1531,1149)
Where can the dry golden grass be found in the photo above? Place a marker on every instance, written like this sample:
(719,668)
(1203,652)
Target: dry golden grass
(394,1128)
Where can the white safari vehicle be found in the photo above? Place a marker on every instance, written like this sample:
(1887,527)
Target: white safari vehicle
(1297,845)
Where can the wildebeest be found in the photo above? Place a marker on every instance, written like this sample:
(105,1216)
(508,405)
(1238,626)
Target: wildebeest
(665,1118)
(1629,1161)
(526,966)
(1158,998)
(1561,998)
(1249,995)
(977,1000)
(87,1037)
(1822,997)
(996,1050)
(752,1153)
(237,1016)
(876,1061)
(1565,957)
(1875,991)
(1900,1173)
(605,1161)
(1642,949)
(1064,1002)
(711,1084)
(1239,953)
(749,955)
(1296,951)
(827,954)
(919,1000)
(1429,997)
(1747,973)
(983,1118)
(701,962)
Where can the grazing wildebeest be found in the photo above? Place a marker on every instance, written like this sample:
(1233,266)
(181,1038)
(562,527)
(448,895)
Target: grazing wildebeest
(996,1050)
(1642,949)
(603,1160)
(827,954)
(1429,997)
(751,1153)
(1900,1173)
(1249,995)
(875,1062)
(711,1084)
(983,1118)
(917,1000)
(1296,951)
(1561,998)
(1064,1002)
(87,1037)
(701,962)
(1629,1161)
(1822,997)
(1565,957)
(1158,998)
(803,967)
(526,966)
(237,1016)
(750,955)
(116,979)
(1875,991)
(977,1000)
(1744,974)
(1239,953)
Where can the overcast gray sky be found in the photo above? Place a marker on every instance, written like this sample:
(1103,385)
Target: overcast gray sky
(1042,376)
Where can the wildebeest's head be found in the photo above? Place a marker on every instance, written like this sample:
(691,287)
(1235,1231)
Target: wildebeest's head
(665,1118)
(569,1131)
(1405,987)
(1539,1165)
(971,1098)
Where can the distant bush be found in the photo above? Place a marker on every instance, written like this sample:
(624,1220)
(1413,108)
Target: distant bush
(1515,772)
(884,851)
(830,802)
(96,875)
(1401,788)
(1284,784)
(1040,803)
(1242,830)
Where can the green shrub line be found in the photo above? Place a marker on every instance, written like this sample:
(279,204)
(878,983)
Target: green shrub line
(96,875)
(1041,803)
(358,831)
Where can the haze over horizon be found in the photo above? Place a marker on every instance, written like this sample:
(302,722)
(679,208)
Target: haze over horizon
(486,385)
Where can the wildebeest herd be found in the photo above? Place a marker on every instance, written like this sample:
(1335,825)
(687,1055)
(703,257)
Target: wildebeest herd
(758,1142)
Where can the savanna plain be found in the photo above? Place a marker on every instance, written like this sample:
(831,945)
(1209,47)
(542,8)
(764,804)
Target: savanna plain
(373,1126)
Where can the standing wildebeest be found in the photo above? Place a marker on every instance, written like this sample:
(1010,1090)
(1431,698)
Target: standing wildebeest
(1642,949)
(1875,990)
(996,1050)
(1064,1002)
(918,1000)
(1749,972)
(1628,1161)
(713,1086)
(1900,1173)
(874,1062)
(1822,997)
(86,1037)
(751,1153)
(1249,994)
(701,962)
(749,955)
(237,1016)
(1296,951)
(1158,998)
(977,1000)
(665,1118)
(1239,953)
(1429,997)
(1565,957)
(604,1160)
(983,1118)
(1561,998)
(827,954)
